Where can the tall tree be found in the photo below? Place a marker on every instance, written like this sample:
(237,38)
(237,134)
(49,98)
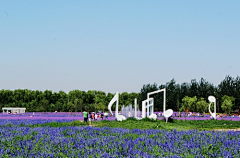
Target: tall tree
(172,96)
(227,103)
(201,105)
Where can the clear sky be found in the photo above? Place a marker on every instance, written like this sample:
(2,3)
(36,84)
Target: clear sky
(116,45)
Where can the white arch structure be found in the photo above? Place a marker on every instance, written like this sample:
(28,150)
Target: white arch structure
(117,116)
(212,99)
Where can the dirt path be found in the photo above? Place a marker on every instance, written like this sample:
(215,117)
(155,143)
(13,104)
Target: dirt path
(238,129)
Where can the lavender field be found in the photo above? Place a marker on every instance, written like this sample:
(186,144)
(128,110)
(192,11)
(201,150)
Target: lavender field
(18,139)
(79,116)
(88,141)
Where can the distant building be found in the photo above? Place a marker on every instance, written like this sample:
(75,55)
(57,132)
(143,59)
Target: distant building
(13,110)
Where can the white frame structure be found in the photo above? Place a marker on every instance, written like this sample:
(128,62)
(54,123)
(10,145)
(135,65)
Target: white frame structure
(166,113)
(14,110)
(164,97)
(146,104)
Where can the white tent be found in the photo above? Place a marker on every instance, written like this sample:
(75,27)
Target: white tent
(13,110)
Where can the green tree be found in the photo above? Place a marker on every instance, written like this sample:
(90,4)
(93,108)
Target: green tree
(173,97)
(185,105)
(227,103)
(96,101)
(100,106)
(193,90)
(52,107)
(201,105)
(189,103)
(192,103)
(70,106)
(43,104)
(75,104)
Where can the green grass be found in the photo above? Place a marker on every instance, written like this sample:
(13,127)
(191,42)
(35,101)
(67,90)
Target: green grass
(151,124)
(59,124)
(176,124)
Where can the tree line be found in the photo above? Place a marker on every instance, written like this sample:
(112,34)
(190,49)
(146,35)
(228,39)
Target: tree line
(74,101)
(193,95)
(180,97)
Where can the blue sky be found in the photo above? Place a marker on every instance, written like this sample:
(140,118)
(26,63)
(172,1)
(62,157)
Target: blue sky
(116,45)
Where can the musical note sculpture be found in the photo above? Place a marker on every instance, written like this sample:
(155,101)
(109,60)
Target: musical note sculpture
(117,116)
(166,113)
(148,103)
(212,99)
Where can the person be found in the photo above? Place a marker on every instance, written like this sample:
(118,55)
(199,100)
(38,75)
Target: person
(89,118)
(102,116)
(95,116)
(85,115)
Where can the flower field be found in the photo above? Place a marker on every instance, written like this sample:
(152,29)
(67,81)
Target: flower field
(85,141)
(79,116)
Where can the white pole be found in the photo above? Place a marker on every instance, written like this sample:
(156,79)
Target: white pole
(147,107)
(143,109)
(116,110)
(135,106)
(164,100)
(215,110)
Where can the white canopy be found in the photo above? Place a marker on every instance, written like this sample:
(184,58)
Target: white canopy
(13,110)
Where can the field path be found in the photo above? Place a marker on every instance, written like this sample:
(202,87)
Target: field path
(238,129)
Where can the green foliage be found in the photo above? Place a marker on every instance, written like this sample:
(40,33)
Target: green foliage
(202,89)
(201,105)
(77,100)
(189,103)
(227,103)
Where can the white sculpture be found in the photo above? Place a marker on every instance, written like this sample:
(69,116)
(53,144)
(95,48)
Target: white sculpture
(135,107)
(147,104)
(212,99)
(135,110)
(117,116)
(166,113)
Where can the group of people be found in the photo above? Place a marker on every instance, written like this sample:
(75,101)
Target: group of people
(222,115)
(92,116)
(196,114)
(179,114)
